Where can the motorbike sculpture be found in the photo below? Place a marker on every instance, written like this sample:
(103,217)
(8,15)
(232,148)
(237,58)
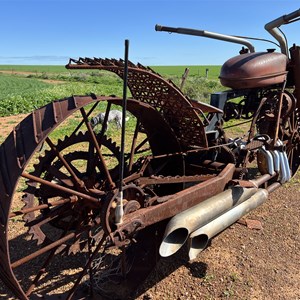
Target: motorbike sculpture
(184,177)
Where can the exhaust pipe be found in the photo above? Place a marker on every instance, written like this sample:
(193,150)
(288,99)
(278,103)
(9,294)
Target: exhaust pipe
(200,238)
(181,225)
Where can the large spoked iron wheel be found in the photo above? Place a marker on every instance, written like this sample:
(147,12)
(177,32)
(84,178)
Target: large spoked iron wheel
(59,179)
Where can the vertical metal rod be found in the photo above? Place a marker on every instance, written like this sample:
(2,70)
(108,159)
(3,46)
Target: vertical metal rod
(119,209)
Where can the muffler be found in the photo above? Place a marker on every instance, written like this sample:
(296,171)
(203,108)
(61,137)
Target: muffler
(181,225)
(200,238)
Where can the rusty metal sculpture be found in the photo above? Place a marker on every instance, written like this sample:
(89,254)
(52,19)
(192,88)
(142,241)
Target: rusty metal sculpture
(184,177)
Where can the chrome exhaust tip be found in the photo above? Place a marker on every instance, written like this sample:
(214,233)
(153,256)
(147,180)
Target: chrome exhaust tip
(180,226)
(199,238)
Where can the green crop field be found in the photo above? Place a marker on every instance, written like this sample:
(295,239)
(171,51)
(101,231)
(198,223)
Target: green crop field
(212,72)
(33,68)
(13,85)
(25,88)
(23,94)
(202,71)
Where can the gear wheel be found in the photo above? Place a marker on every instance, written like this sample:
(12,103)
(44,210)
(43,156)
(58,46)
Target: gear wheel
(52,169)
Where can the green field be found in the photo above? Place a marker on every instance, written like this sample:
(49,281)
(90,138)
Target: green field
(23,92)
(19,94)
(11,85)
(33,68)
(213,71)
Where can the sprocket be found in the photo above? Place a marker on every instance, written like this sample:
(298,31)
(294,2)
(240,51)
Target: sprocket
(52,169)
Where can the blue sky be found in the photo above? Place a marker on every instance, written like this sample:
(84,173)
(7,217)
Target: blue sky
(51,31)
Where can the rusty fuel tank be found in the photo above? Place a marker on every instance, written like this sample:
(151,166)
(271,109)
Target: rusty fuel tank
(253,70)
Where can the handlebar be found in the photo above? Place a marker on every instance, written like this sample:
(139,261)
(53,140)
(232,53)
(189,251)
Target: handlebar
(272,28)
(204,33)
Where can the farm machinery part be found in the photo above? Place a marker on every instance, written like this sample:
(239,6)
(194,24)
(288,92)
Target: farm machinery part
(187,175)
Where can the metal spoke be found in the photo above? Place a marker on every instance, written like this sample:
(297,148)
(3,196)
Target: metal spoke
(82,121)
(91,162)
(59,187)
(141,144)
(95,142)
(77,181)
(44,266)
(62,177)
(42,206)
(134,141)
(57,212)
(105,121)
(42,251)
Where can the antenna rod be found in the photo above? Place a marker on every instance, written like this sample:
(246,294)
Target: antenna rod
(119,213)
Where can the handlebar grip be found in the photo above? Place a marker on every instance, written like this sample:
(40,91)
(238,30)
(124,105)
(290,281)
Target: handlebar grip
(165,28)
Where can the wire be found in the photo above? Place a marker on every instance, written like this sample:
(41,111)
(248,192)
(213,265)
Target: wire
(256,39)
(286,42)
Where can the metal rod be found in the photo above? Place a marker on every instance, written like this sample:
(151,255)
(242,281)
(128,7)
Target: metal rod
(93,136)
(124,108)
(78,182)
(119,209)
(279,114)
(59,187)
(43,268)
(140,145)
(134,140)
(82,121)
(42,206)
(104,125)
(42,251)
(57,212)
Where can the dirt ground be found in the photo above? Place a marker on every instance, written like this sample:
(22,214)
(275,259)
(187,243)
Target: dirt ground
(240,263)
